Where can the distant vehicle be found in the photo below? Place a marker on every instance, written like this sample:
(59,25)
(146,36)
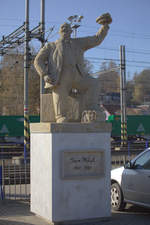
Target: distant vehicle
(131,183)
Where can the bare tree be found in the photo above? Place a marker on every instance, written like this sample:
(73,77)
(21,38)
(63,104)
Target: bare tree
(12,85)
(109,79)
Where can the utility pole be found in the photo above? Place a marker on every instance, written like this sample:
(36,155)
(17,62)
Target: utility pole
(26,71)
(75,23)
(123,96)
(19,36)
(75,27)
(42,39)
(28,35)
(42,24)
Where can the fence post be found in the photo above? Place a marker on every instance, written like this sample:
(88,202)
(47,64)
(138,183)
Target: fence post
(1,189)
(2,181)
(128,150)
(147,144)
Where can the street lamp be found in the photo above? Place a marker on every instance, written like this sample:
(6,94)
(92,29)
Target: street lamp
(75,22)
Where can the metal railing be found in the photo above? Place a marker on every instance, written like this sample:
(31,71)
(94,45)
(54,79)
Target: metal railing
(15,179)
(15,171)
(11,149)
(121,155)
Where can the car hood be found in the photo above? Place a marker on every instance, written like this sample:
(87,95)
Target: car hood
(116,174)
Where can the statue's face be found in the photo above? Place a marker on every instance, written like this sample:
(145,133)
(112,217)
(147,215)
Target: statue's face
(65,30)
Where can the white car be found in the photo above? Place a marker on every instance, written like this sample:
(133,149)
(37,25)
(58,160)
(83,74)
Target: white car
(131,183)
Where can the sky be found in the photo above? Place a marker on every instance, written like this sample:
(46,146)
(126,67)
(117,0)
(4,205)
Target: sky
(130,27)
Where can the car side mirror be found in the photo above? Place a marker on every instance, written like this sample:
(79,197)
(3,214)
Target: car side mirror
(128,165)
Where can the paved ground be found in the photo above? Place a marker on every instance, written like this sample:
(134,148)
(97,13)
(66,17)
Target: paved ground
(132,215)
(18,213)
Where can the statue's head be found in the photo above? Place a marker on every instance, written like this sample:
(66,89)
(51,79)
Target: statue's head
(65,30)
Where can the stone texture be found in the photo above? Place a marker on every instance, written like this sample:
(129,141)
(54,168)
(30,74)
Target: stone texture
(57,198)
(101,127)
(47,113)
(46,108)
(92,116)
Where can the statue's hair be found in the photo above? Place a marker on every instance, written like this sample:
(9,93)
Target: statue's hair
(64,26)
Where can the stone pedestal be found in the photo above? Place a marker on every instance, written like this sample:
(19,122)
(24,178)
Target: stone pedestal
(70,171)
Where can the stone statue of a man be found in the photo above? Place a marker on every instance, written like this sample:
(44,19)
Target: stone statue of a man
(65,71)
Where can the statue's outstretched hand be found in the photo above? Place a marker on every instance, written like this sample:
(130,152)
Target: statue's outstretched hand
(104,19)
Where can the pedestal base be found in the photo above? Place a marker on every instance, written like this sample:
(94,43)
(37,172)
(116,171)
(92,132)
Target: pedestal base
(70,171)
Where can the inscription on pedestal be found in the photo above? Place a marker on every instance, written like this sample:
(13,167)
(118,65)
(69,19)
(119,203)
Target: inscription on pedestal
(83,164)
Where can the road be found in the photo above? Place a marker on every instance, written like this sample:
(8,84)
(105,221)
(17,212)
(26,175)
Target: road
(18,213)
(132,215)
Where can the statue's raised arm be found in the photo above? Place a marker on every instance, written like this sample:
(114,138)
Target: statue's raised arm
(91,41)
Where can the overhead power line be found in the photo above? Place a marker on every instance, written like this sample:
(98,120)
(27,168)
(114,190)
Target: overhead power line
(121,33)
(147,52)
(112,59)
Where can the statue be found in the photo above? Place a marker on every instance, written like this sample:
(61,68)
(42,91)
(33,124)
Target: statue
(60,63)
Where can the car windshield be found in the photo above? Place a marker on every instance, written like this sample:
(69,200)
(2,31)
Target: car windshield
(143,162)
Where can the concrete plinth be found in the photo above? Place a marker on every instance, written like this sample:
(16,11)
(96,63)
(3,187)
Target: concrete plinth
(70,171)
